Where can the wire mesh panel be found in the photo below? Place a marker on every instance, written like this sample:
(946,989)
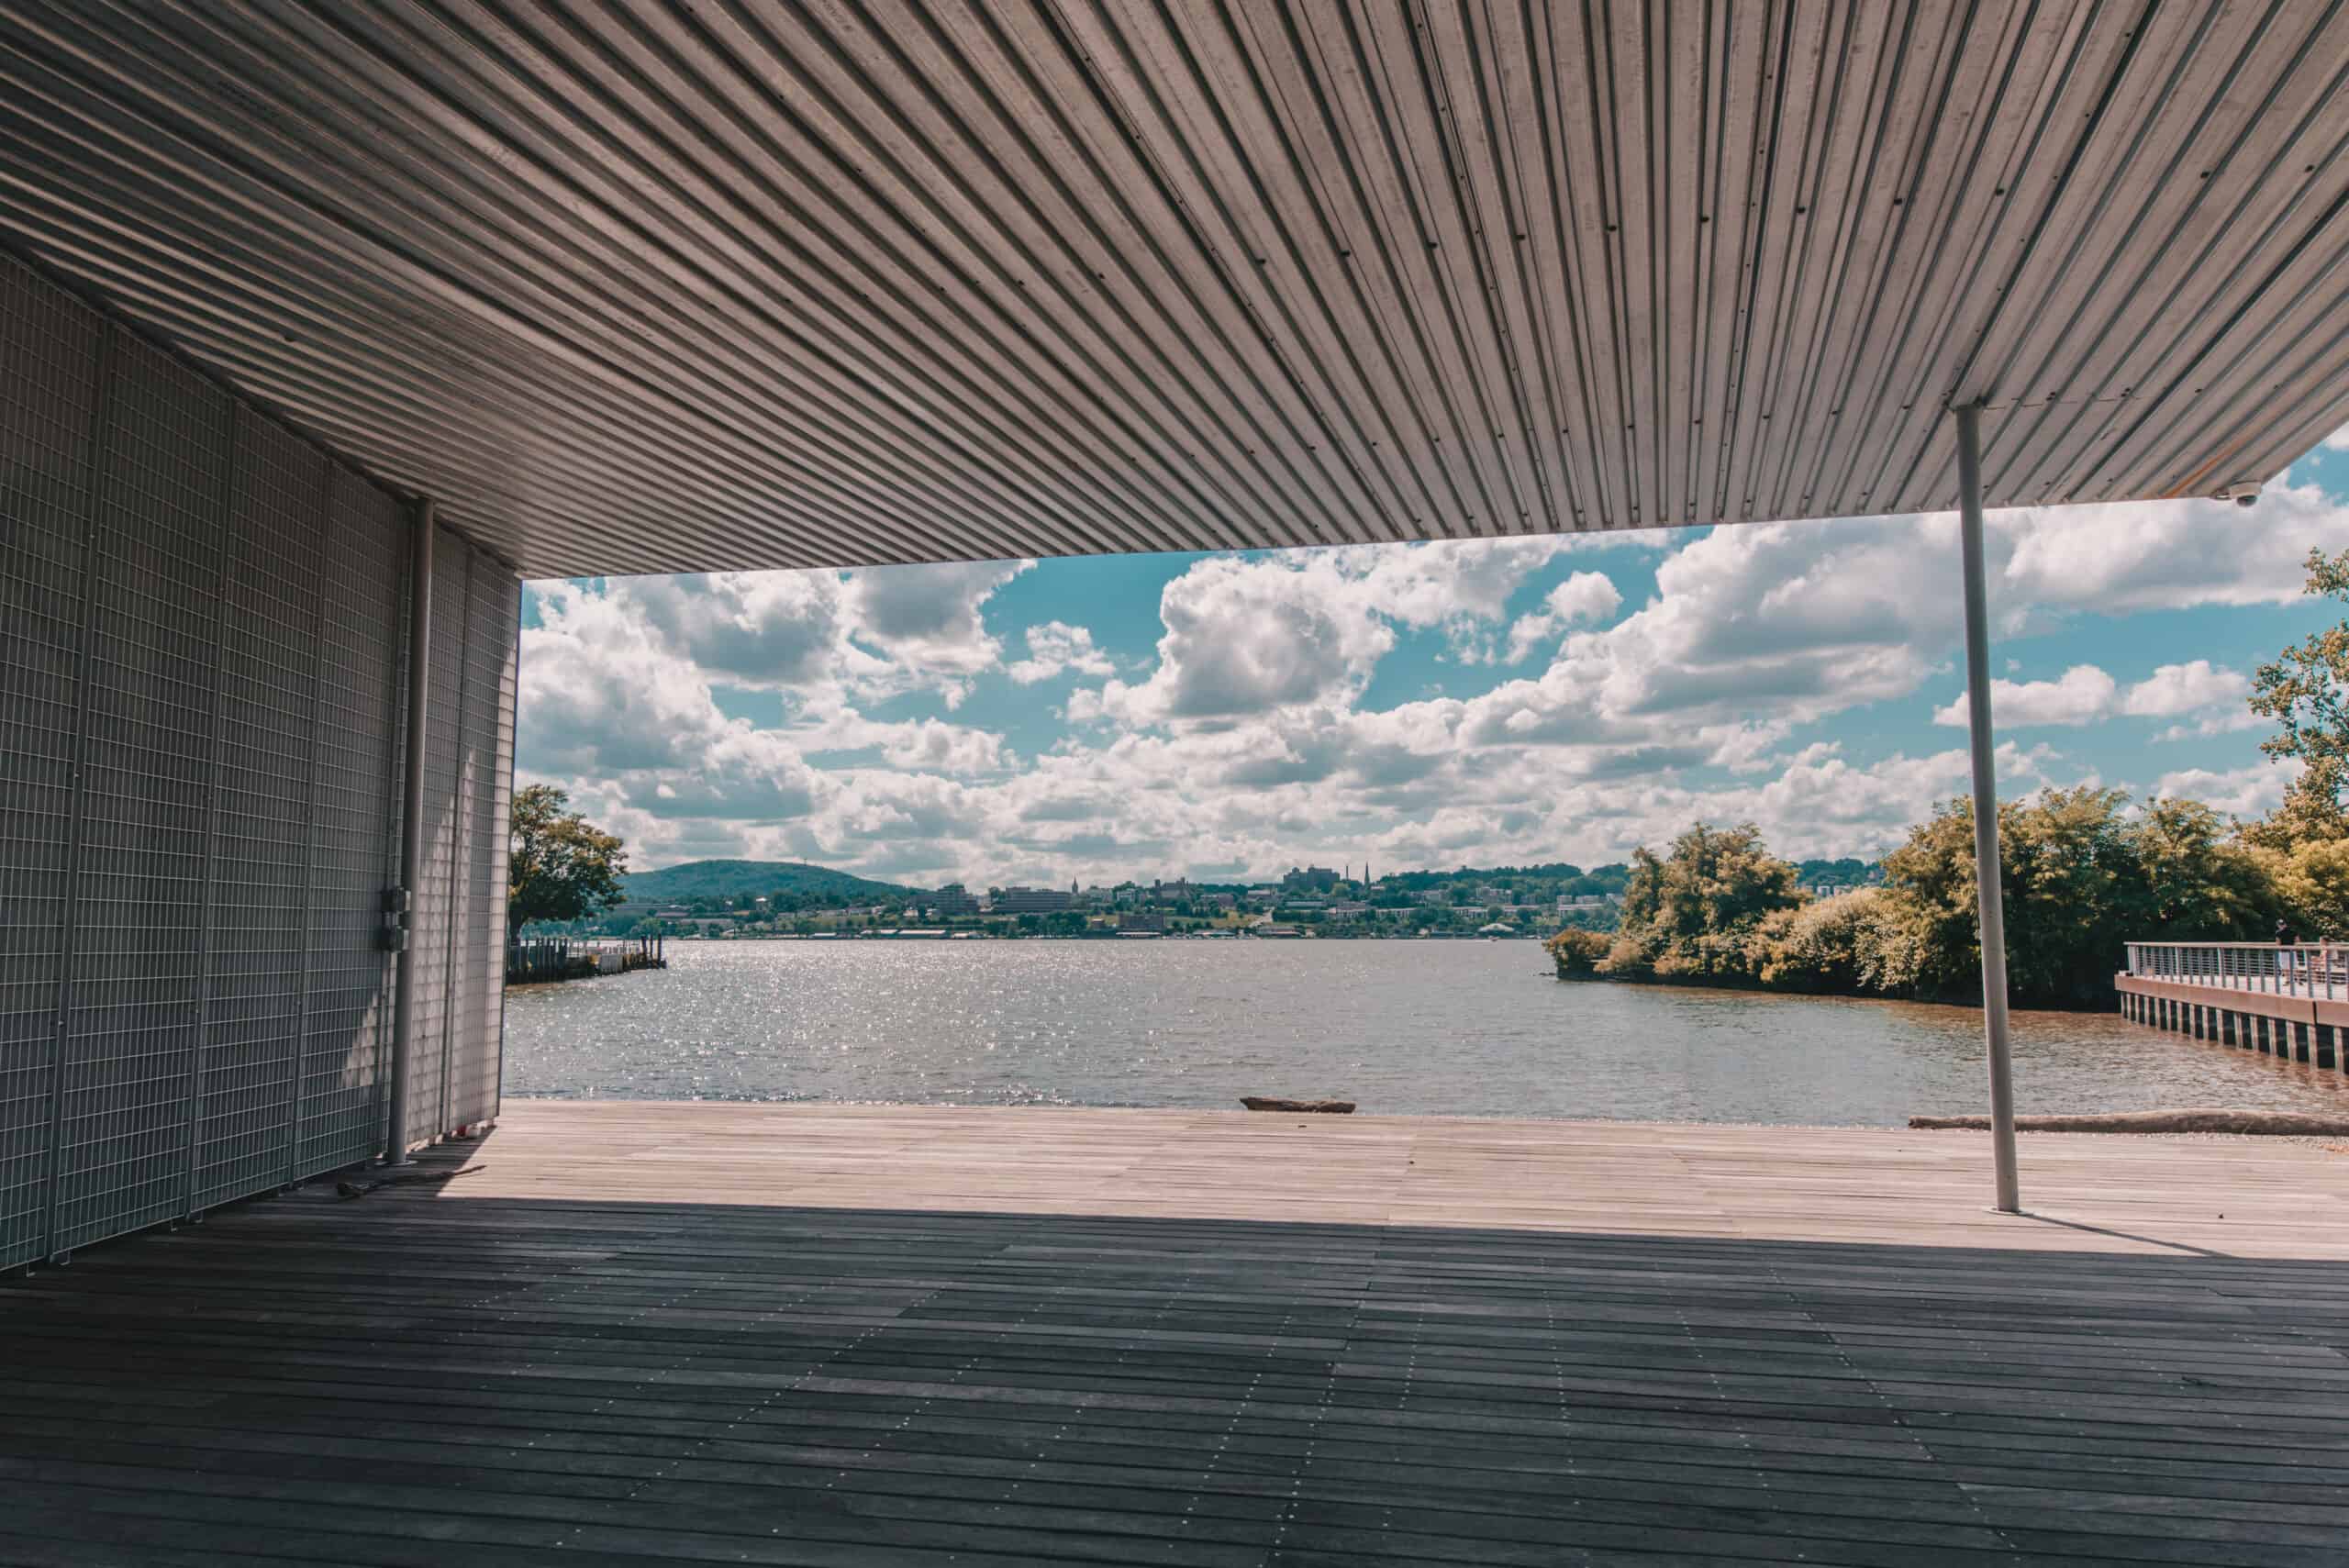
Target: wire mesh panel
(135,969)
(488,738)
(355,829)
(202,627)
(438,915)
(259,898)
(48,396)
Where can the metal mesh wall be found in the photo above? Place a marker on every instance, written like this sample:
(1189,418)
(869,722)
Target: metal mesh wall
(202,629)
(459,924)
(49,397)
(256,928)
(436,923)
(488,776)
(355,850)
(148,682)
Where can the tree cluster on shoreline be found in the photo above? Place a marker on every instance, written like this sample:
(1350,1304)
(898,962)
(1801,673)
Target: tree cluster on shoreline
(2085,870)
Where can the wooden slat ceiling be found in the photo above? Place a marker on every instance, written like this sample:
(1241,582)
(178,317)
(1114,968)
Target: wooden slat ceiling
(654,288)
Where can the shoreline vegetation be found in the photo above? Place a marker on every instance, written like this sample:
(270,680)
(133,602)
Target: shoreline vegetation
(2085,872)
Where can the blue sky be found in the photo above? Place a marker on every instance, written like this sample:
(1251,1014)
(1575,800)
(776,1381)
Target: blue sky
(1557,697)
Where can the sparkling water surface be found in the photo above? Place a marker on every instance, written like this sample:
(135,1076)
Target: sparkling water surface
(1452,1028)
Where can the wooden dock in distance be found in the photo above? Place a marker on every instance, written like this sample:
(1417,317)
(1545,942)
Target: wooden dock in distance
(657,1333)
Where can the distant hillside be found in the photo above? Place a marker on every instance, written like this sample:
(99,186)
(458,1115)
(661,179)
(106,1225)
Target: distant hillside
(749,879)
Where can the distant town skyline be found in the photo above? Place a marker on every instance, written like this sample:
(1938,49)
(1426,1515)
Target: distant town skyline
(1544,698)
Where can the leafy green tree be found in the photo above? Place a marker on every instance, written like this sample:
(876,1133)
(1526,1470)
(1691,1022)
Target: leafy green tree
(2310,812)
(2083,871)
(2311,883)
(2193,880)
(1693,912)
(2081,875)
(1824,946)
(560,866)
(2063,861)
(2305,689)
(1578,953)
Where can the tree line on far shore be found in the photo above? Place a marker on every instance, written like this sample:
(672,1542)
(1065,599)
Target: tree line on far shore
(2085,872)
(2083,875)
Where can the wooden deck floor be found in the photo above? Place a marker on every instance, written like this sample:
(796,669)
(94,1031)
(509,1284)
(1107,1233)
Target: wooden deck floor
(637,1334)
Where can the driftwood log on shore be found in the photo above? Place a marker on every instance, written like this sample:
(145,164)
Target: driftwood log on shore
(1320,1107)
(2199,1118)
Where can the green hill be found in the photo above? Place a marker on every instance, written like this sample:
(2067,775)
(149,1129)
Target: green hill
(749,879)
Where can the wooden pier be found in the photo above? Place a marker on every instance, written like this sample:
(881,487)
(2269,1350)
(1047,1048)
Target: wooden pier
(2292,1002)
(618,1333)
(533,961)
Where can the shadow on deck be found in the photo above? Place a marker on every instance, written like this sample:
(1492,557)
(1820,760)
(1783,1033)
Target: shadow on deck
(457,1379)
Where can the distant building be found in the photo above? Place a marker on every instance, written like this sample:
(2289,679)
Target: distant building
(1142,920)
(1031,901)
(1174,892)
(1349,909)
(1319,879)
(1433,895)
(950,899)
(1220,901)
(1264,898)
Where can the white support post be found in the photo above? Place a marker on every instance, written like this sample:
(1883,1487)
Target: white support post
(1985,806)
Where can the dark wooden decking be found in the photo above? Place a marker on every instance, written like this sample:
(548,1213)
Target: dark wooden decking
(661,1334)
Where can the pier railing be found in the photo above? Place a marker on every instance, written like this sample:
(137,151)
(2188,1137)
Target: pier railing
(2314,970)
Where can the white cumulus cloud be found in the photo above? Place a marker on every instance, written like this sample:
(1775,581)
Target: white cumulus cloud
(1246,635)
(2173,689)
(1737,687)
(1584,597)
(2080,696)
(1055,647)
(2245,792)
(2085,693)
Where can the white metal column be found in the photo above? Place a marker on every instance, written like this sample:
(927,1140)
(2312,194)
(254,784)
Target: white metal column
(1985,806)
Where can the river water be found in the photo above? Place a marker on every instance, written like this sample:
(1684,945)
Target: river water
(1474,1029)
